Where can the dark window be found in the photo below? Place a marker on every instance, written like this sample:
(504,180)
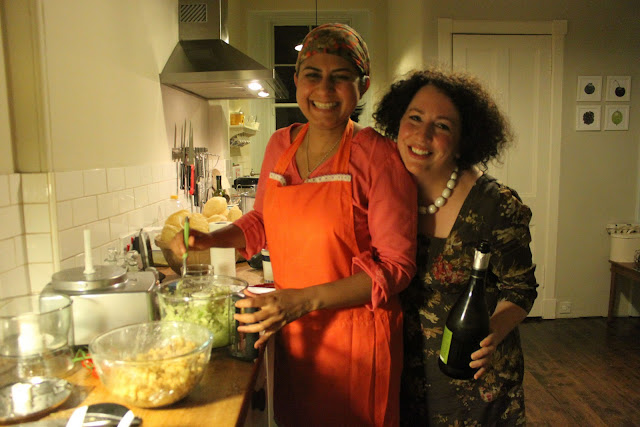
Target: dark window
(285,39)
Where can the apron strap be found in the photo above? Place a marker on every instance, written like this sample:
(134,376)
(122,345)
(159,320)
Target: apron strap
(340,162)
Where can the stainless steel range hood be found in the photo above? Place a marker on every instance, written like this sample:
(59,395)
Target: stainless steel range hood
(204,64)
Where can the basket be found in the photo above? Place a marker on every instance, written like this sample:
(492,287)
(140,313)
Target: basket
(175,262)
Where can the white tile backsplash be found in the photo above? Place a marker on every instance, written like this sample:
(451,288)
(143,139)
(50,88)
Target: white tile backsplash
(100,233)
(65,215)
(8,258)
(71,242)
(40,275)
(132,176)
(126,200)
(11,224)
(37,218)
(14,282)
(108,205)
(119,226)
(69,185)
(5,192)
(85,210)
(39,248)
(111,202)
(141,196)
(115,179)
(146,174)
(20,250)
(94,181)
(35,188)
(15,188)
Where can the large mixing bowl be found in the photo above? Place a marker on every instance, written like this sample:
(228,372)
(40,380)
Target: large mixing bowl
(206,301)
(152,364)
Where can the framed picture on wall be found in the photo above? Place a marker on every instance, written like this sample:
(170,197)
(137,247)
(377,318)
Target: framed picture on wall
(589,88)
(618,88)
(588,117)
(616,117)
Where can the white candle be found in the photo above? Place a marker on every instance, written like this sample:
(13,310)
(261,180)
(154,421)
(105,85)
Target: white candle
(88,261)
(29,336)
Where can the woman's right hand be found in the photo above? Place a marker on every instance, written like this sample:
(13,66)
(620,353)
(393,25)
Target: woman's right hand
(198,241)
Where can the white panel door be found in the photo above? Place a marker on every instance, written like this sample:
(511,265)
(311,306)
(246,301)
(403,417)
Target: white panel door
(517,70)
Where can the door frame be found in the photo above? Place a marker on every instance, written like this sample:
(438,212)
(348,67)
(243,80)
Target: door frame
(557,29)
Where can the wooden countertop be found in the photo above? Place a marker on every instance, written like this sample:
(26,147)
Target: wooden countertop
(222,398)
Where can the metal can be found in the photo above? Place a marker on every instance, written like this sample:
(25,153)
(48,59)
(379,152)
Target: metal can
(242,343)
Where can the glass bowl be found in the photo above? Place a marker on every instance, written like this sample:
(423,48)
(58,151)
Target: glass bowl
(204,300)
(152,364)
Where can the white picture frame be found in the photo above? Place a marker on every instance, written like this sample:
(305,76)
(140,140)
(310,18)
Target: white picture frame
(616,117)
(618,88)
(589,88)
(588,117)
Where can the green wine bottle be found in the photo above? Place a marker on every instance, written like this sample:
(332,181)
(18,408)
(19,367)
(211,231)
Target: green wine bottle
(219,190)
(468,321)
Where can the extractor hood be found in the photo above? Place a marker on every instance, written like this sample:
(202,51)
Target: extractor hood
(204,64)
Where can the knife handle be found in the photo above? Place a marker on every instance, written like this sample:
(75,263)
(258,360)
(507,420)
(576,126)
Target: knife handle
(193,180)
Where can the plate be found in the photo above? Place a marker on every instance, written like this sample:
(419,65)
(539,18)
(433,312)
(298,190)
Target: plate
(32,397)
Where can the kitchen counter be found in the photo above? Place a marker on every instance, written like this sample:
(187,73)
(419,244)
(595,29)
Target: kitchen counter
(232,392)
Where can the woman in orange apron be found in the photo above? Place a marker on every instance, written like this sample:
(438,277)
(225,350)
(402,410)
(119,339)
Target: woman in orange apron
(337,210)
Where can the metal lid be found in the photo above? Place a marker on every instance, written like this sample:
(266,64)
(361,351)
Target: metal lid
(75,280)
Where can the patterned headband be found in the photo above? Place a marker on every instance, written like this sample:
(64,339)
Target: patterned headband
(336,39)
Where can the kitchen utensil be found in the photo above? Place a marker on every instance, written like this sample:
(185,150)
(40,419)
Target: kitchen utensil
(202,300)
(77,417)
(152,364)
(36,335)
(32,397)
(109,298)
(185,255)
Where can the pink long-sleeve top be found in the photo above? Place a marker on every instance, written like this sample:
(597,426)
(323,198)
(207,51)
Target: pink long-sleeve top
(384,209)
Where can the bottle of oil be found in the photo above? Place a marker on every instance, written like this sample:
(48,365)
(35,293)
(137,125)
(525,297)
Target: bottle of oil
(468,321)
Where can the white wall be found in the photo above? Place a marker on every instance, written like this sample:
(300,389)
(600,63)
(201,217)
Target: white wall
(93,128)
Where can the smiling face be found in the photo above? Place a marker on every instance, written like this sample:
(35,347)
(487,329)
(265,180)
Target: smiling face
(429,133)
(328,89)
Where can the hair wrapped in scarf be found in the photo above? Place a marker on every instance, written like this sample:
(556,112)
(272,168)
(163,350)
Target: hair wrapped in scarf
(336,39)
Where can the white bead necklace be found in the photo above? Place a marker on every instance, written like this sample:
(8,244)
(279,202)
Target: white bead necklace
(446,193)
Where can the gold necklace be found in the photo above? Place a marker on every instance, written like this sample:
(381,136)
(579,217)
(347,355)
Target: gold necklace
(323,157)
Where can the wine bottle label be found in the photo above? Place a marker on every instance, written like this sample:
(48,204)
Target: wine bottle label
(446,344)
(457,347)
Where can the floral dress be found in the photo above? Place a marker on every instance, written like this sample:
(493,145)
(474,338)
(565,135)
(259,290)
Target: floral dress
(495,213)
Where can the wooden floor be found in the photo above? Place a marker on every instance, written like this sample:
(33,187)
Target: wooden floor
(582,372)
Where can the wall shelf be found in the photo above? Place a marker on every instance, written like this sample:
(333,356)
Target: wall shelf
(242,130)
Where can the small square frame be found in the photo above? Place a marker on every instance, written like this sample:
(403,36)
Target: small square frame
(581,110)
(618,88)
(589,88)
(622,118)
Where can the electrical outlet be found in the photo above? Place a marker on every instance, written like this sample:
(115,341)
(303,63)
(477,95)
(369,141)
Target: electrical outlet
(564,307)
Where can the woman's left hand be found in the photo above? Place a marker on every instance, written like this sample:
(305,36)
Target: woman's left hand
(482,358)
(506,317)
(275,309)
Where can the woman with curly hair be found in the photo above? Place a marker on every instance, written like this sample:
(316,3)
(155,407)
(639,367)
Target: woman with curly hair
(448,128)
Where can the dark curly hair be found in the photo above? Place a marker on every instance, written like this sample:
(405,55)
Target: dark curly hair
(485,131)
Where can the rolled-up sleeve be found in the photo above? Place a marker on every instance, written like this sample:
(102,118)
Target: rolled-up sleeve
(391,206)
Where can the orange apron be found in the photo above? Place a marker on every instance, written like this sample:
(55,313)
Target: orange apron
(332,367)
